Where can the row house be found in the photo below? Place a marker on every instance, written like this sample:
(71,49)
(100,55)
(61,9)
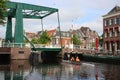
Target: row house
(81,36)
(111,30)
(89,37)
(60,40)
(85,35)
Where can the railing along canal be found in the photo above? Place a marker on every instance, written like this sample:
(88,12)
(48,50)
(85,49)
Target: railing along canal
(8,44)
(22,45)
(46,46)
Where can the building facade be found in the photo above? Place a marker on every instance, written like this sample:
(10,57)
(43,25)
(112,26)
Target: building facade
(85,35)
(111,30)
(56,39)
(89,37)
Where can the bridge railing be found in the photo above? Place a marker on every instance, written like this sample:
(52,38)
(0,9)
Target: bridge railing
(46,46)
(8,44)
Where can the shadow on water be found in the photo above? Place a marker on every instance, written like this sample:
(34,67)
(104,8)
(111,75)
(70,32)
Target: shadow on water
(15,70)
(36,59)
(4,59)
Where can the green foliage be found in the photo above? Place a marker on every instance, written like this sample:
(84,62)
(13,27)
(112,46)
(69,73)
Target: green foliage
(35,41)
(44,38)
(101,39)
(76,40)
(25,41)
(3,10)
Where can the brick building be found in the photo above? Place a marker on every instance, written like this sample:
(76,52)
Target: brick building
(81,36)
(55,37)
(89,37)
(85,35)
(111,30)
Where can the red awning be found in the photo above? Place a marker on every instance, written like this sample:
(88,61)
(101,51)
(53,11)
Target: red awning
(96,43)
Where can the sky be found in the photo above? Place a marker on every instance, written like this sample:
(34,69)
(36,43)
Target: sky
(78,13)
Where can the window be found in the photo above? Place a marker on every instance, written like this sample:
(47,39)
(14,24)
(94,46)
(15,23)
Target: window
(113,33)
(117,21)
(112,21)
(63,34)
(67,34)
(21,52)
(65,42)
(107,22)
(110,34)
(105,34)
(56,41)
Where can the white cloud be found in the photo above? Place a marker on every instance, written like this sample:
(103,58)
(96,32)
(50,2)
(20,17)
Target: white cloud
(2,32)
(95,25)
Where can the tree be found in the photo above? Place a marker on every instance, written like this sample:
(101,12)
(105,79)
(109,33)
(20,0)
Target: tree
(44,38)
(101,40)
(34,40)
(3,10)
(76,40)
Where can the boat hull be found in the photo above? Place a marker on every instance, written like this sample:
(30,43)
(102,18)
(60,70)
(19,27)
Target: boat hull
(95,58)
(71,62)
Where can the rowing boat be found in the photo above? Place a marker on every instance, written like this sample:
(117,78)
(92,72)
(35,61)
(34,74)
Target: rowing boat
(71,62)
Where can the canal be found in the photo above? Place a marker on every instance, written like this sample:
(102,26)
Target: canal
(35,70)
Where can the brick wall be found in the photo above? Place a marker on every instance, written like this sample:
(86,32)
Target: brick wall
(20,53)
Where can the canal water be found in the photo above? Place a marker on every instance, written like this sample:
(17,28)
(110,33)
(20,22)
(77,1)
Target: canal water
(35,70)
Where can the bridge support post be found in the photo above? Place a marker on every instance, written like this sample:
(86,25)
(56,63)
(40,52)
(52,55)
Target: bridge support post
(8,36)
(18,35)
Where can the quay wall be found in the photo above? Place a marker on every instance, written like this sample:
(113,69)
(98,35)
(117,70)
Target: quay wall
(16,53)
(5,49)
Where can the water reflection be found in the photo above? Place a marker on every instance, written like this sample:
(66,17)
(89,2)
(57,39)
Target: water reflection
(22,70)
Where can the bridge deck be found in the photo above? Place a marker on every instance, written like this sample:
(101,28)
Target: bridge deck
(48,49)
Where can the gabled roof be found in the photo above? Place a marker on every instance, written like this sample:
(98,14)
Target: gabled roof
(51,32)
(30,34)
(79,33)
(114,10)
(84,28)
